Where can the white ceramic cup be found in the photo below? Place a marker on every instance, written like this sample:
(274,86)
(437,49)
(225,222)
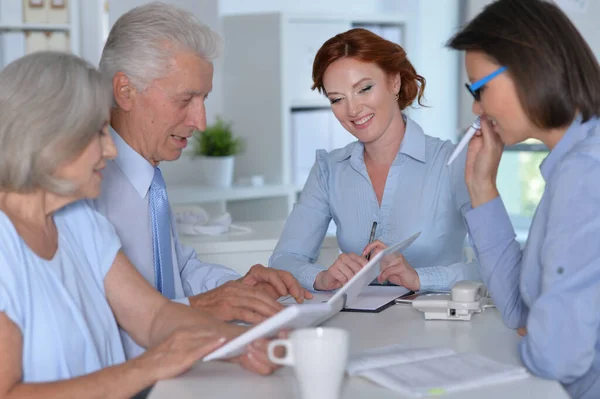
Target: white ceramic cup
(319,356)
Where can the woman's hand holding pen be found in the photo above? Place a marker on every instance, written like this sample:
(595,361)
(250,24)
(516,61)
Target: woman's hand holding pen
(342,270)
(373,248)
(398,271)
(483,159)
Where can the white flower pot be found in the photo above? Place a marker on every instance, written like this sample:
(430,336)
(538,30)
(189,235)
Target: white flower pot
(216,171)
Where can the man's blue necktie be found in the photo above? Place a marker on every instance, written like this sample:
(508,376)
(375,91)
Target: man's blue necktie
(161,235)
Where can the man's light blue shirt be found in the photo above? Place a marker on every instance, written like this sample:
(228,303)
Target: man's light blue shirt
(60,305)
(552,286)
(124,201)
(421,194)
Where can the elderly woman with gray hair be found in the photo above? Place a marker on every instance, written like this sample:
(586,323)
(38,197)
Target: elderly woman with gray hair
(65,284)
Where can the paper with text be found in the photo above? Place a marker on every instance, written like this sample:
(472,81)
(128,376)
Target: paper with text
(428,371)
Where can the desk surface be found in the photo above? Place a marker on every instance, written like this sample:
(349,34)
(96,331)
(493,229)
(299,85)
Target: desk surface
(484,334)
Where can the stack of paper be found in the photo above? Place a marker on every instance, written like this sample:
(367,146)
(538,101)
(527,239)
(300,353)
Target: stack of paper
(430,371)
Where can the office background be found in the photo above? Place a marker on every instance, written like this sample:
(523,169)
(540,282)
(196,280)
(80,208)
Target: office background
(264,90)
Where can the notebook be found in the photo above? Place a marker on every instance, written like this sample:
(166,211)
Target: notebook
(421,372)
(312,314)
(372,299)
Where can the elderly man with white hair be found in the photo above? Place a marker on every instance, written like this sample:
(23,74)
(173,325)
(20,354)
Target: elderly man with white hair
(158,58)
(65,283)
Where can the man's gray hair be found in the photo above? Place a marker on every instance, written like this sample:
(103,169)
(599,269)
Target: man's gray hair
(51,106)
(143,41)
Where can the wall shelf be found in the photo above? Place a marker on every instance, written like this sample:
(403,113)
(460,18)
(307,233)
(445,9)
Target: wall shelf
(321,103)
(35,27)
(185,195)
(22,33)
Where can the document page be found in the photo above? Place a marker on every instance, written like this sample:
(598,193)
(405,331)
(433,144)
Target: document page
(317,298)
(392,355)
(444,374)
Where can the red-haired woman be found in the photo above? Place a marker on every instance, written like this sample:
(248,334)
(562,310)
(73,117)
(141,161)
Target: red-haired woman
(393,175)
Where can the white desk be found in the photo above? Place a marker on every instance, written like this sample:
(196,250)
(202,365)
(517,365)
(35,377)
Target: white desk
(485,334)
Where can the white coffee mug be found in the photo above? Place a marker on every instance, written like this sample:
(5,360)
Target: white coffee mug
(319,356)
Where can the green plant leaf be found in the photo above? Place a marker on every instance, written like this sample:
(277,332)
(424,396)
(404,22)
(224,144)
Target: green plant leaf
(217,140)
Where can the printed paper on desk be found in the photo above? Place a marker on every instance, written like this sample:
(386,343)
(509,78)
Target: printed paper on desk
(418,372)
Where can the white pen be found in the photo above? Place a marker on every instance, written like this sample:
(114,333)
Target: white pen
(465,140)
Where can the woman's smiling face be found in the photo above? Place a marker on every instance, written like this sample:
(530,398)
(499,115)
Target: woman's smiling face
(362,97)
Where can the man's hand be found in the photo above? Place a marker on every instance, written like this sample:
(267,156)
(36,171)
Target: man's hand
(235,300)
(276,283)
(522,331)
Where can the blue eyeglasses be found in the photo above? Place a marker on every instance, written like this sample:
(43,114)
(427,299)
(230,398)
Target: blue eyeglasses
(475,87)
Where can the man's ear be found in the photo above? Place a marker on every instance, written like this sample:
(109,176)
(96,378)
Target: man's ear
(123,91)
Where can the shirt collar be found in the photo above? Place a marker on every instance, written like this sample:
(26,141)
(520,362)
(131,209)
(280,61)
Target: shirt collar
(136,168)
(414,141)
(413,144)
(574,134)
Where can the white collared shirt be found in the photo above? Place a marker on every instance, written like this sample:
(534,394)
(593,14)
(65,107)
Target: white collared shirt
(124,202)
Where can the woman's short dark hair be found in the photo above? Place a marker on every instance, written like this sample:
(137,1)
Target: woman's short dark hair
(554,70)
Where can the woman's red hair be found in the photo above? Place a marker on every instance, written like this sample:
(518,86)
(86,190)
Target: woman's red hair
(366,46)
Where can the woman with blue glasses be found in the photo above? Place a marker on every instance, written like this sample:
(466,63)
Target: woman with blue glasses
(535,77)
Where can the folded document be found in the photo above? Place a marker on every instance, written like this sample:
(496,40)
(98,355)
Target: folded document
(430,371)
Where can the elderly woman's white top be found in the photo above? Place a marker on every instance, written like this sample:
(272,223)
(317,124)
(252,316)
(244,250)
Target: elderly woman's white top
(60,305)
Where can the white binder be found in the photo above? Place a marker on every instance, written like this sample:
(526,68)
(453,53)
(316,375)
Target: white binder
(34,11)
(58,11)
(35,41)
(58,41)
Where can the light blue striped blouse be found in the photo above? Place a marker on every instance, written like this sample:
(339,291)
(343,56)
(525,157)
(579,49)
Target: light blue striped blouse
(421,194)
(552,286)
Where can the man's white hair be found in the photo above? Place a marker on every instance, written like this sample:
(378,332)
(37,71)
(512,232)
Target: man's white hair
(143,41)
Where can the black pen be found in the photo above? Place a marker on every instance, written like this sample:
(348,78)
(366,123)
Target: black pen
(372,238)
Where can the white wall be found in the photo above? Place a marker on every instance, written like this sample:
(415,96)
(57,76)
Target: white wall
(436,23)
(585,19)
(316,6)
(92,40)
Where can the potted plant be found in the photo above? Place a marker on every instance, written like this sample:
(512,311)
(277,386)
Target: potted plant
(216,147)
